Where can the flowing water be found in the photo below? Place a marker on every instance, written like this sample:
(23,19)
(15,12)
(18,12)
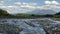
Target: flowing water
(35,26)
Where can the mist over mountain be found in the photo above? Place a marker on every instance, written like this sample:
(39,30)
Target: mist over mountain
(41,12)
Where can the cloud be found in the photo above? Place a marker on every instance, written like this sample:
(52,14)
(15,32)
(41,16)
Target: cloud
(3,7)
(12,6)
(47,2)
(5,0)
(52,3)
(55,2)
(18,3)
(1,1)
(1,4)
(26,8)
(22,7)
(31,3)
(16,9)
(25,3)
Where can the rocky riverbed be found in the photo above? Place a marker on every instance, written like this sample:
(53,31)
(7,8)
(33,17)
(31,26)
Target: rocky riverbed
(35,26)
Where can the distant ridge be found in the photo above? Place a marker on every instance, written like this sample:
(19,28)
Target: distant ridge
(42,12)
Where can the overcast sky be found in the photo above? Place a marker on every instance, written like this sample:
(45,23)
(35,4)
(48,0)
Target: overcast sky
(23,6)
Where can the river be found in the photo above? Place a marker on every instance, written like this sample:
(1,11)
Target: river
(36,26)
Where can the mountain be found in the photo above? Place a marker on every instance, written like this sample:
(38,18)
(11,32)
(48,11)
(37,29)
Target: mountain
(43,11)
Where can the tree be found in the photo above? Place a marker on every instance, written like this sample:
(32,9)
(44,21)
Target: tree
(57,13)
(48,15)
(3,12)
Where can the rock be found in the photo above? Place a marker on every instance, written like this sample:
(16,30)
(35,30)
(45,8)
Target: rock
(9,29)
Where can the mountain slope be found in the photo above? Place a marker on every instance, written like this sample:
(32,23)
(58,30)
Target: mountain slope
(38,11)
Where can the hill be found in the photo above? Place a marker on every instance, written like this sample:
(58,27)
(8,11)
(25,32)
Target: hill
(41,12)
